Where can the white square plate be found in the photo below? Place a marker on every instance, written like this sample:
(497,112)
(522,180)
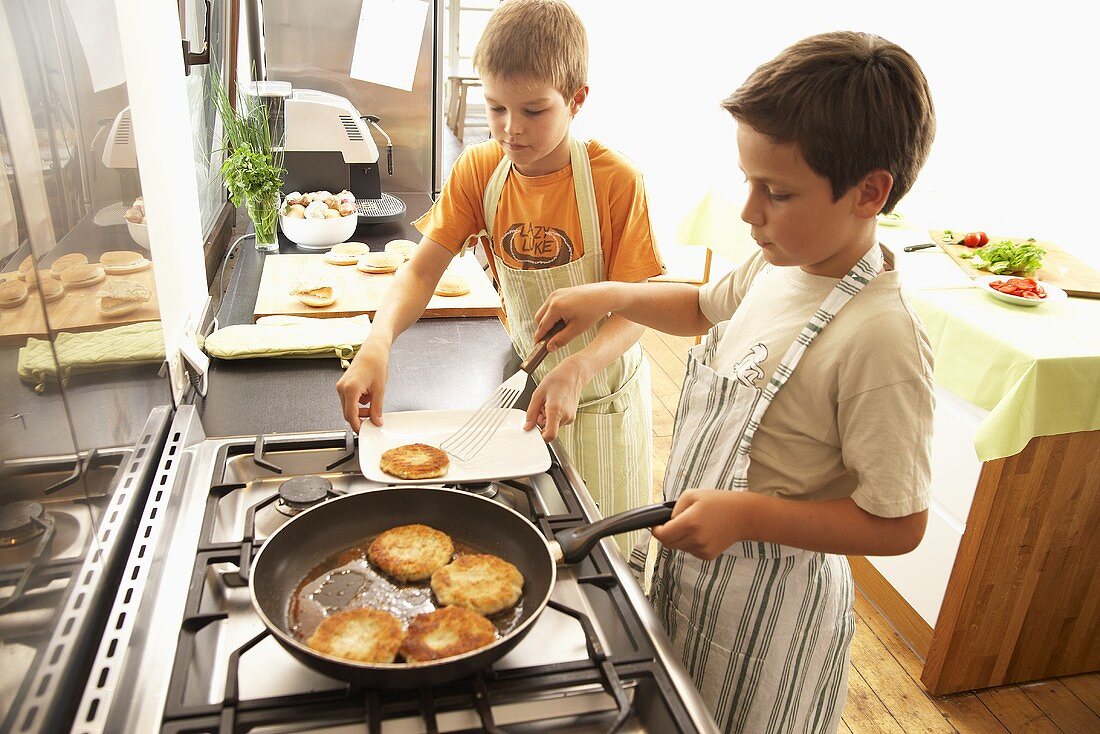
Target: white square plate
(511,453)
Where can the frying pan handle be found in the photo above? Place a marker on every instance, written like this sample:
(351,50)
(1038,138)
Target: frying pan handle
(576,543)
(534,359)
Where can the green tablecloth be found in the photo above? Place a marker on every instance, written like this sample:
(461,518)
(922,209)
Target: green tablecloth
(1035,369)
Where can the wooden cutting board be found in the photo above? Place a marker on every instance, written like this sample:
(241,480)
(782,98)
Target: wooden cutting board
(360,293)
(1059,267)
(76,310)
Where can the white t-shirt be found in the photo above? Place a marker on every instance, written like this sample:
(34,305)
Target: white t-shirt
(855,418)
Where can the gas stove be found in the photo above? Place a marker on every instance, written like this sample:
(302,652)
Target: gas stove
(65,528)
(184,650)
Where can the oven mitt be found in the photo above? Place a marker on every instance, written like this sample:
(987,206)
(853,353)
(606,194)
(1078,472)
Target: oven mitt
(90,351)
(290,337)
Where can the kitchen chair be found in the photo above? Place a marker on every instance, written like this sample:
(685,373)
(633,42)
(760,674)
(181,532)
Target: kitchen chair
(457,107)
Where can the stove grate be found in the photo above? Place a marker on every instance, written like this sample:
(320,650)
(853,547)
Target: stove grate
(619,676)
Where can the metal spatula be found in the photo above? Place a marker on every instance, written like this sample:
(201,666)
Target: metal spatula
(465,443)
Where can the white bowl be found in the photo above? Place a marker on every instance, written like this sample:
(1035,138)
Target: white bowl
(1054,293)
(319,233)
(139,233)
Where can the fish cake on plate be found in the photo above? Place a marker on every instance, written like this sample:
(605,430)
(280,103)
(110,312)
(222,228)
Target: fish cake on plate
(445,633)
(411,552)
(484,583)
(363,635)
(414,461)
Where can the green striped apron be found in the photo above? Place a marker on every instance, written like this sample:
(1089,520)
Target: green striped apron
(764,630)
(610,442)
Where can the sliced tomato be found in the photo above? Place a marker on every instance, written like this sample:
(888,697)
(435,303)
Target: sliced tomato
(972,239)
(1019,287)
(983,239)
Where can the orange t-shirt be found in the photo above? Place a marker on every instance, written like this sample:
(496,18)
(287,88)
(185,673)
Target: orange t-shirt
(537,224)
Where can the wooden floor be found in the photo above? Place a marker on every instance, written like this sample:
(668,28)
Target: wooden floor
(884,690)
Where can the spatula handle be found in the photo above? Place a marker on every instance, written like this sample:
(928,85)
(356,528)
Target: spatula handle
(534,359)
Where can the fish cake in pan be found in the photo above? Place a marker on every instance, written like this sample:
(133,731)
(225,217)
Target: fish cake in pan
(363,635)
(445,633)
(411,552)
(481,582)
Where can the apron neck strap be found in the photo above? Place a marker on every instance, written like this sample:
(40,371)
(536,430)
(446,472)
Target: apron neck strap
(855,280)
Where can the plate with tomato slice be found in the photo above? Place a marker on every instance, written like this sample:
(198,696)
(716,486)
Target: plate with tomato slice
(1020,291)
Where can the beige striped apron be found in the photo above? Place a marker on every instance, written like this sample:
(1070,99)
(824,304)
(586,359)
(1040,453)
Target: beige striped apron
(764,630)
(610,441)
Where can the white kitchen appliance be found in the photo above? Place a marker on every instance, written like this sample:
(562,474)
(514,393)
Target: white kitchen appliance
(328,146)
(119,150)
(120,154)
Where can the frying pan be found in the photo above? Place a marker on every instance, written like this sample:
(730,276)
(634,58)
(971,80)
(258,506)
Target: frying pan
(314,536)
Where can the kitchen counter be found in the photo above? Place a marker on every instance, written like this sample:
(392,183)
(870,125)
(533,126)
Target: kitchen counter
(435,364)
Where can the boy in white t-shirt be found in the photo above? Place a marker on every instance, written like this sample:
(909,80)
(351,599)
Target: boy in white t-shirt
(818,365)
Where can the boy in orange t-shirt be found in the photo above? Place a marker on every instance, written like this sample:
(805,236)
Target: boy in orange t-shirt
(552,212)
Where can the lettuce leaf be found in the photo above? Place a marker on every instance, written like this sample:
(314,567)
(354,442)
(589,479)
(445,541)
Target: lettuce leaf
(1007,256)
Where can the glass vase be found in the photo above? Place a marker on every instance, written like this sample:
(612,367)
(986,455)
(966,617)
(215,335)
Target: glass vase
(264,213)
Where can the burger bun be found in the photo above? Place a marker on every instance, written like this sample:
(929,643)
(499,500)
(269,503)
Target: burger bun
(13,293)
(122,297)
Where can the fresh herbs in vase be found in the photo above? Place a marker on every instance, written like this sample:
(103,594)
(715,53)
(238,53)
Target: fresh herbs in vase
(253,167)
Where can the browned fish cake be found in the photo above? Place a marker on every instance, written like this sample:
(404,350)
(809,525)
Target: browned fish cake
(446,632)
(415,461)
(411,552)
(481,582)
(363,635)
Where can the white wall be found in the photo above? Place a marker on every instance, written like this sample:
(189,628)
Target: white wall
(1015,88)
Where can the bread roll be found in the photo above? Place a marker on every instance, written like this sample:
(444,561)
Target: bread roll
(318,298)
(67,261)
(452,284)
(33,276)
(82,276)
(26,266)
(346,253)
(122,297)
(358,249)
(13,293)
(336,259)
(120,258)
(315,289)
(404,248)
(143,264)
(51,289)
(379,262)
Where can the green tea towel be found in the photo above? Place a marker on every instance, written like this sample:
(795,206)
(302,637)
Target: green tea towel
(290,337)
(90,351)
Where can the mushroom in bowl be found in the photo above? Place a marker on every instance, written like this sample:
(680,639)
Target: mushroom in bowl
(318,219)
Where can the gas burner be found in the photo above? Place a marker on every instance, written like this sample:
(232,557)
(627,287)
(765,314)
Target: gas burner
(301,493)
(484,489)
(21,522)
